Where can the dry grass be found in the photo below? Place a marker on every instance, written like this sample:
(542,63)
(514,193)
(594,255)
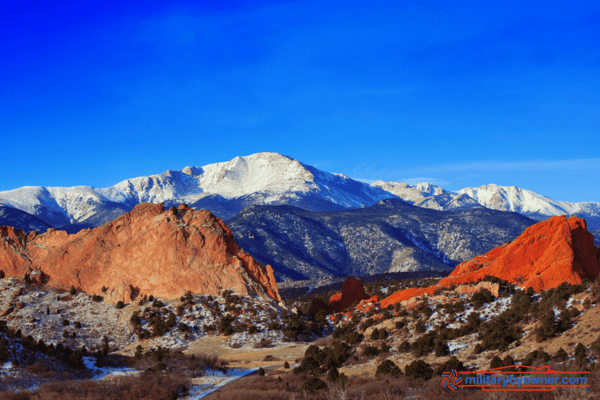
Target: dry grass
(149,386)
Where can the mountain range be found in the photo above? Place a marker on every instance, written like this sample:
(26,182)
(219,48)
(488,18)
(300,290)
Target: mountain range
(308,223)
(223,188)
(390,236)
(226,188)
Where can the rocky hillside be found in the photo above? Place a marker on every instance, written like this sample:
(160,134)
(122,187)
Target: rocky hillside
(391,236)
(596,234)
(544,256)
(148,251)
(22,220)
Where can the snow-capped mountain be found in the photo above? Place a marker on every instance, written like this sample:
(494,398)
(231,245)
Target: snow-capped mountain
(427,195)
(503,198)
(526,202)
(224,188)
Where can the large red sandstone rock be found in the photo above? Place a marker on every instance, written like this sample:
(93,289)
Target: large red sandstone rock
(352,291)
(146,251)
(543,256)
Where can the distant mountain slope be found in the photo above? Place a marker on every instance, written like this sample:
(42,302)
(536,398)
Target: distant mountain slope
(503,198)
(596,234)
(529,203)
(391,236)
(21,220)
(224,188)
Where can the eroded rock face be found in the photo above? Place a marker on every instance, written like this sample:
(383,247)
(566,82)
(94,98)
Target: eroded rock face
(146,251)
(352,291)
(543,256)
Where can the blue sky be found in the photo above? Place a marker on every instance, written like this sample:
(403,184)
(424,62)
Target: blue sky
(456,93)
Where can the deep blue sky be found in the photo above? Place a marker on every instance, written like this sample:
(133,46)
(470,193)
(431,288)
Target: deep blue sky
(456,93)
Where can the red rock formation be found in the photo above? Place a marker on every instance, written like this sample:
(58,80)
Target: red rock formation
(146,251)
(352,291)
(543,256)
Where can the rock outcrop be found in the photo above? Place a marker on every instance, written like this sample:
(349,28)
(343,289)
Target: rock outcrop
(352,291)
(546,254)
(146,251)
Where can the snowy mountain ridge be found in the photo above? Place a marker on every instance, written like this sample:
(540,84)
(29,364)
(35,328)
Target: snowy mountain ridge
(226,188)
(262,178)
(496,197)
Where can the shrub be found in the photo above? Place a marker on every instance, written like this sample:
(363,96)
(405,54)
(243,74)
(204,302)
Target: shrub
(105,348)
(72,291)
(383,348)
(286,365)
(496,362)
(419,369)
(334,376)
(370,351)
(421,328)
(355,338)
(119,304)
(441,348)
(76,360)
(400,324)
(580,354)
(423,345)
(388,367)
(225,324)
(452,363)
(497,335)
(383,334)
(561,355)
(96,298)
(261,371)
(375,334)
(481,297)
(337,354)
(535,355)
(77,325)
(404,347)
(135,319)
(157,303)
(547,328)
(65,322)
(313,385)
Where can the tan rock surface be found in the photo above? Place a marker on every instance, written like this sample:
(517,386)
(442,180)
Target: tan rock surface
(146,251)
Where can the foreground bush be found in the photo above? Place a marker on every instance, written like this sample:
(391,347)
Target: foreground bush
(419,370)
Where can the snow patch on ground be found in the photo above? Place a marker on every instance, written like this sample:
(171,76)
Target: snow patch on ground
(216,380)
(104,372)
